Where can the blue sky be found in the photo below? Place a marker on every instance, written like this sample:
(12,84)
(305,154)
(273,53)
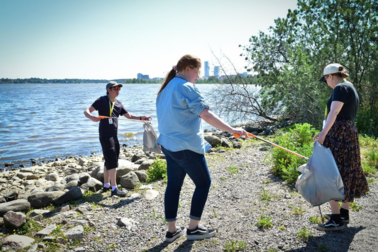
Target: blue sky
(97,39)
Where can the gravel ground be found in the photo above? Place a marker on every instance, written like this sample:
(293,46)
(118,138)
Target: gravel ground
(235,204)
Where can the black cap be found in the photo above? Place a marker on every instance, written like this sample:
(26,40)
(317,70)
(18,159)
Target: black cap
(113,84)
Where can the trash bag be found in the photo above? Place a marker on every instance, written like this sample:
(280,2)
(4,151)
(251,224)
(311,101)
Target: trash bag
(320,180)
(149,139)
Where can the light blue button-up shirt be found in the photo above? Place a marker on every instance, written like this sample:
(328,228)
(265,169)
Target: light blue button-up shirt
(178,108)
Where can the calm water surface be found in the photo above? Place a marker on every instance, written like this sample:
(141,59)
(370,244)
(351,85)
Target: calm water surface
(47,121)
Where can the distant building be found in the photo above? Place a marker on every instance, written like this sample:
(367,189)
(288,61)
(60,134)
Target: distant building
(207,69)
(216,71)
(143,76)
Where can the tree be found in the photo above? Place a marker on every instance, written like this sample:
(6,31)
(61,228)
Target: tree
(290,59)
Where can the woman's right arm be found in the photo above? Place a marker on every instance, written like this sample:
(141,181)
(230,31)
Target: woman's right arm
(215,121)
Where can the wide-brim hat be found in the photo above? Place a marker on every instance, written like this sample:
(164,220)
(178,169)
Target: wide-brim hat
(331,69)
(113,84)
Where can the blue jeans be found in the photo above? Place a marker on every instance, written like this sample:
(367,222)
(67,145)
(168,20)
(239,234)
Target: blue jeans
(179,164)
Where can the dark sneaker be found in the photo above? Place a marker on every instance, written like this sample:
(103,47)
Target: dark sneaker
(170,237)
(331,225)
(105,189)
(199,233)
(118,192)
(345,219)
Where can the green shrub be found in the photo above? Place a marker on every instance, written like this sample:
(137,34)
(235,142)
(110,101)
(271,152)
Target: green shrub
(304,234)
(297,139)
(233,245)
(158,170)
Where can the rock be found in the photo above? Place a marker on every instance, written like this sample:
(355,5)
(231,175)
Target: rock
(75,233)
(130,180)
(60,240)
(142,176)
(2,199)
(236,144)
(74,193)
(55,188)
(70,172)
(16,242)
(48,238)
(52,176)
(151,194)
(23,175)
(92,184)
(84,208)
(146,164)
(287,196)
(213,140)
(46,231)
(253,128)
(94,173)
(137,156)
(20,205)
(11,195)
(33,248)
(1,221)
(43,199)
(226,143)
(14,219)
(71,184)
(72,177)
(83,162)
(128,223)
(84,177)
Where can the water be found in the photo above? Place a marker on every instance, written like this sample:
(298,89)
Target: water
(47,121)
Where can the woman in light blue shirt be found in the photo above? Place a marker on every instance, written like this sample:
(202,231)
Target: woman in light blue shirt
(180,108)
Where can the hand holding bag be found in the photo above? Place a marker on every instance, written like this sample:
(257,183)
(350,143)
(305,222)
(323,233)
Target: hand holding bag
(149,139)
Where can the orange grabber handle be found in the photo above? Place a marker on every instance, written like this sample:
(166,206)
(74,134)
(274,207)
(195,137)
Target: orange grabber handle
(249,134)
(103,117)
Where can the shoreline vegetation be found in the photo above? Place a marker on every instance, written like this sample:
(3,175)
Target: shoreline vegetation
(59,206)
(210,80)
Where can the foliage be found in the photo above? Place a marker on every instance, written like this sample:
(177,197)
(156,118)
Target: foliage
(316,219)
(369,154)
(265,196)
(290,59)
(233,169)
(298,139)
(264,222)
(28,227)
(232,246)
(304,234)
(158,170)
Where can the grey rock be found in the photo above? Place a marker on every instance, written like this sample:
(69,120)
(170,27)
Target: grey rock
(2,199)
(71,184)
(130,180)
(84,208)
(142,176)
(14,219)
(55,188)
(49,238)
(213,140)
(33,248)
(17,242)
(151,194)
(84,177)
(46,231)
(72,177)
(73,194)
(70,171)
(52,176)
(236,144)
(75,233)
(11,195)
(92,184)
(130,224)
(43,199)
(20,205)
(146,164)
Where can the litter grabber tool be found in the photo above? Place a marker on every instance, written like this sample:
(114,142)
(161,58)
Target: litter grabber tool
(275,145)
(108,117)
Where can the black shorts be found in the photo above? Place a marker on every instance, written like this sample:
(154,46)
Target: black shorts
(110,150)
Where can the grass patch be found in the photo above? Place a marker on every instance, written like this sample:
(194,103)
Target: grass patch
(265,196)
(304,234)
(233,246)
(264,222)
(354,207)
(298,211)
(233,169)
(281,228)
(316,219)
(158,170)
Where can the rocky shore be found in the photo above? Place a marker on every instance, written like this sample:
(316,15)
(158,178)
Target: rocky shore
(59,206)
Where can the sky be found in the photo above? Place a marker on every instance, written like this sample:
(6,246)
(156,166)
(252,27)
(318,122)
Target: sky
(97,39)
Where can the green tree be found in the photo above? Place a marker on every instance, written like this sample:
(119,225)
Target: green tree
(290,59)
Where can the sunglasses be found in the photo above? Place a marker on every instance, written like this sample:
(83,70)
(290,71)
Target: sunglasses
(117,88)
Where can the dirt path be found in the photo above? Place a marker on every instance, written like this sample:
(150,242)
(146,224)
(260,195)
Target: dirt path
(236,202)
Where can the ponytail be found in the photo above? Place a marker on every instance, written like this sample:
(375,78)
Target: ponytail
(167,79)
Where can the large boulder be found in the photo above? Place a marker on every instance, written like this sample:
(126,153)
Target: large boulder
(75,233)
(16,242)
(146,164)
(213,140)
(72,177)
(71,184)
(92,185)
(130,180)
(43,199)
(74,193)
(14,219)
(11,195)
(84,177)
(52,176)
(20,205)
(55,188)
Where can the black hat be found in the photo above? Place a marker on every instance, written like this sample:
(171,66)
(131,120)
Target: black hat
(113,84)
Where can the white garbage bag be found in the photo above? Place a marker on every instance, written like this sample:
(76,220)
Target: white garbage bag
(320,180)
(149,139)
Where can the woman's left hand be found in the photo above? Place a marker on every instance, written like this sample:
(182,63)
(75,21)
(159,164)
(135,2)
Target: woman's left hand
(320,137)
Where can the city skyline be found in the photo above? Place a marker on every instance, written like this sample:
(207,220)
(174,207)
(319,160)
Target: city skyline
(119,39)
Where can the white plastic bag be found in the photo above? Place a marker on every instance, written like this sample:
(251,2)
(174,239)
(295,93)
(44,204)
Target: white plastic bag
(320,180)
(149,139)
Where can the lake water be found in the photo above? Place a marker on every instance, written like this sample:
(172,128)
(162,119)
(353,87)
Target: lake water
(47,121)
